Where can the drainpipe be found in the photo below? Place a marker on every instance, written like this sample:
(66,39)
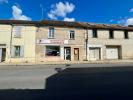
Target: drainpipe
(11,42)
(86,41)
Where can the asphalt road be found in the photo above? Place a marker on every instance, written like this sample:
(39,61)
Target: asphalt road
(75,82)
(34,77)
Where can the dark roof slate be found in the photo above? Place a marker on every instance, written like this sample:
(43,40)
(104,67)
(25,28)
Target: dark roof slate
(67,24)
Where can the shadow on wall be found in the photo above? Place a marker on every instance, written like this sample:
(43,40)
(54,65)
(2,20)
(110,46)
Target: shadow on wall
(80,84)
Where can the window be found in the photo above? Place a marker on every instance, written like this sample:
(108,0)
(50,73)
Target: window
(111,34)
(17,51)
(17,31)
(72,34)
(51,32)
(52,51)
(94,33)
(126,34)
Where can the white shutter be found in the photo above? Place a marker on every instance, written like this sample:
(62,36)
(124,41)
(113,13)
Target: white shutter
(13,51)
(22,51)
(17,31)
(0,54)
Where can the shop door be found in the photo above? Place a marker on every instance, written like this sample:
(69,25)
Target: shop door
(67,53)
(76,54)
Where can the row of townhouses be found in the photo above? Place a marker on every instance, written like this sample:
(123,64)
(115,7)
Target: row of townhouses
(44,41)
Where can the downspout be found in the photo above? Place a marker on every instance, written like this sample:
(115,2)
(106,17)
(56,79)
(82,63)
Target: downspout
(11,42)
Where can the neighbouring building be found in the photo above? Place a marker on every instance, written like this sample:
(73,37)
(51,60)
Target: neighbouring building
(46,41)
(110,42)
(17,41)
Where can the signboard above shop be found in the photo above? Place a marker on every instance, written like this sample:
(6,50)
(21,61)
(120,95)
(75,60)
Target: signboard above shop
(52,41)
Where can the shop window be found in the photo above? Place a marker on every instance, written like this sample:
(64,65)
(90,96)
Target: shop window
(72,34)
(52,51)
(17,51)
(51,32)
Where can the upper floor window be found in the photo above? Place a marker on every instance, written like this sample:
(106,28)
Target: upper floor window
(51,32)
(111,34)
(126,34)
(72,34)
(17,30)
(94,33)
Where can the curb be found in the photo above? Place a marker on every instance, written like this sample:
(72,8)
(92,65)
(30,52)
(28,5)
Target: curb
(64,63)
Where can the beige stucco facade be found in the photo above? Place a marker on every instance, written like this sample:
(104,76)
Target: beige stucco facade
(35,45)
(27,40)
(61,34)
(103,41)
(5,38)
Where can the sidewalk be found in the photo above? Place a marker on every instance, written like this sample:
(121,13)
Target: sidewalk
(70,62)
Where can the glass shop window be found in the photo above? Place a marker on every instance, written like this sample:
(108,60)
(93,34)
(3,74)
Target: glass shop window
(52,51)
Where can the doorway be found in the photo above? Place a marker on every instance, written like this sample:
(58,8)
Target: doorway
(94,53)
(2,54)
(67,53)
(76,54)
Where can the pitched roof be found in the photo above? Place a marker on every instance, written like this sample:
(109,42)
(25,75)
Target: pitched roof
(11,22)
(67,24)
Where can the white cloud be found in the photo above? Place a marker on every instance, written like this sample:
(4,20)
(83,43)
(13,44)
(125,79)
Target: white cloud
(122,21)
(126,20)
(131,10)
(18,14)
(69,19)
(112,20)
(61,10)
(3,1)
(129,21)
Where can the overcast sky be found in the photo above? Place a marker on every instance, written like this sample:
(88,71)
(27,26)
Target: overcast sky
(98,11)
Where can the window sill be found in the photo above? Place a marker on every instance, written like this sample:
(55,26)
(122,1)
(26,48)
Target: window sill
(111,38)
(51,38)
(71,39)
(51,56)
(17,57)
(18,37)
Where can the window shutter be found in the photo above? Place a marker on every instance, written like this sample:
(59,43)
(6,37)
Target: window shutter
(22,51)
(13,51)
(17,31)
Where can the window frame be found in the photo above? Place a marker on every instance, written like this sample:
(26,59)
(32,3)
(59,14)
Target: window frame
(21,51)
(126,34)
(94,33)
(17,29)
(19,55)
(57,55)
(71,35)
(111,34)
(51,33)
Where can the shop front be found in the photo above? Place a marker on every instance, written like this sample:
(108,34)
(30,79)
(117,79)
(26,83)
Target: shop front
(53,50)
